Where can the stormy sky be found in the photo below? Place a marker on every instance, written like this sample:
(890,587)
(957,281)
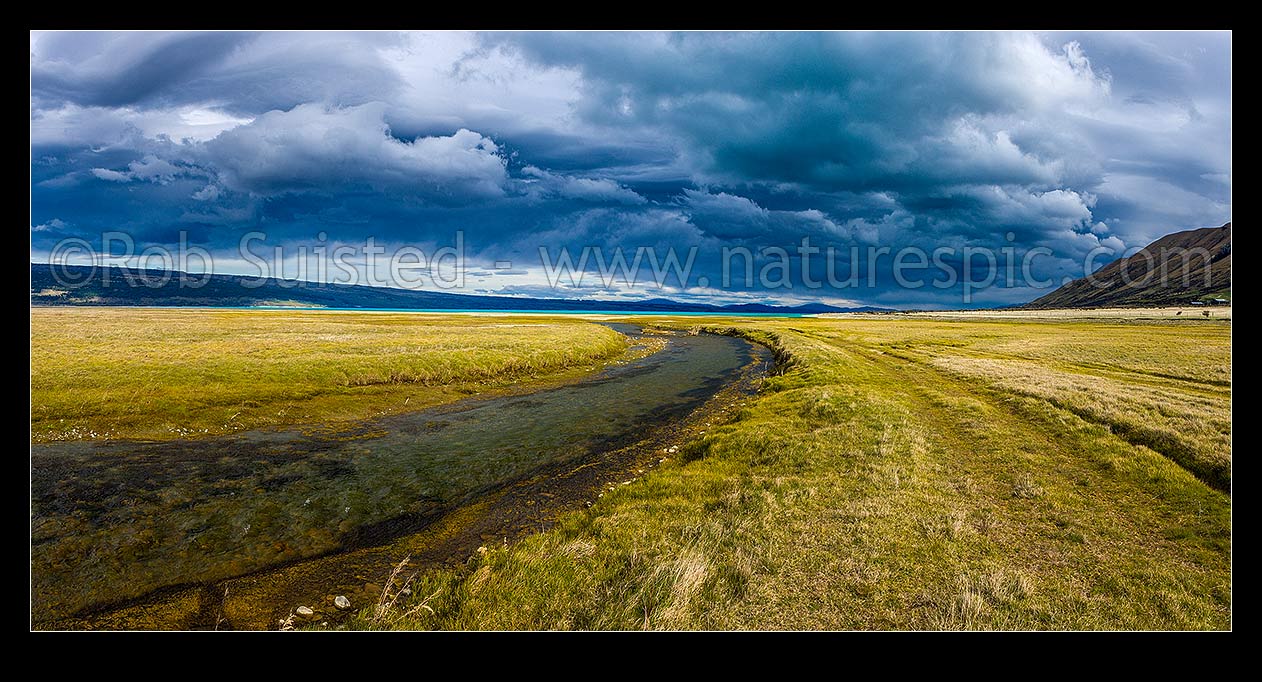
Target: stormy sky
(694,142)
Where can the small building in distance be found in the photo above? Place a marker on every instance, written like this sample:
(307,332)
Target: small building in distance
(1219,301)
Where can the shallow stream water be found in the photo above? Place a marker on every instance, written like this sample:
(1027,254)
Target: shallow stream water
(115,520)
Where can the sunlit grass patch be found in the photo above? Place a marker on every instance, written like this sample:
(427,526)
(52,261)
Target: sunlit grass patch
(152,373)
(906,474)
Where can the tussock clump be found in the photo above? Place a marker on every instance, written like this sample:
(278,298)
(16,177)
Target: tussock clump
(977,596)
(1025,488)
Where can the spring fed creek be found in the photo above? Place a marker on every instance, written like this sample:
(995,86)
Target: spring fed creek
(234,531)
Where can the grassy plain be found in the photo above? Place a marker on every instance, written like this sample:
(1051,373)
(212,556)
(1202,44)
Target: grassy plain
(1187,312)
(905,473)
(166,373)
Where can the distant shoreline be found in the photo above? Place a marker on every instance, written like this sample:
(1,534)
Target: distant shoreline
(439,311)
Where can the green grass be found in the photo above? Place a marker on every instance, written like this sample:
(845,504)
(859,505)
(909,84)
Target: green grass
(101,373)
(906,474)
(903,472)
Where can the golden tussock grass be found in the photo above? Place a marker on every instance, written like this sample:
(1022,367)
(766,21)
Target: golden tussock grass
(159,373)
(908,473)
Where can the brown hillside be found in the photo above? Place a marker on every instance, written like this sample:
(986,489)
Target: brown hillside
(1176,269)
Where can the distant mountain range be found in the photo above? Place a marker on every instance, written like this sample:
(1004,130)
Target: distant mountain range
(231,290)
(1196,263)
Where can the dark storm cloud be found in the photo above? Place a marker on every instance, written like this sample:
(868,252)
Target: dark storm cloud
(129,76)
(1062,141)
(240,72)
(314,147)
(838,110)
(567,152)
